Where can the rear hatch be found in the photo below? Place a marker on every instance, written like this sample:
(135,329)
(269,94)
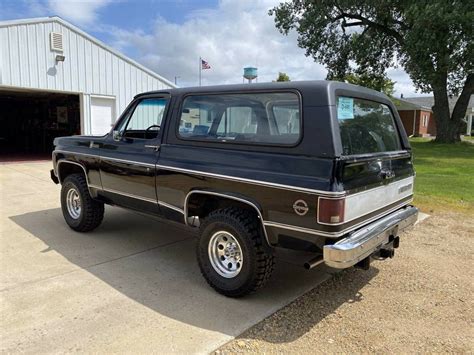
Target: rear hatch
(375,168)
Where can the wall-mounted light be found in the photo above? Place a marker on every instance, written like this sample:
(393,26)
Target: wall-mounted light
(60,58)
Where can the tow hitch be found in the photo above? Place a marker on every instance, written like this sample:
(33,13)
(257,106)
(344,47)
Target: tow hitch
(386,251)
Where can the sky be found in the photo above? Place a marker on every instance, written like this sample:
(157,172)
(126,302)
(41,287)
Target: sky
(169,36)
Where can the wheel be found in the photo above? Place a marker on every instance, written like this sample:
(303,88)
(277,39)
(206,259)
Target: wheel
(232,252)
(80,211)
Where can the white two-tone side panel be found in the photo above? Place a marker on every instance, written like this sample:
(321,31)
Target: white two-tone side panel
(362,203)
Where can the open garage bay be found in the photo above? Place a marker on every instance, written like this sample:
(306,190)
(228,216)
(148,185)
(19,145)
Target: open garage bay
(30,121)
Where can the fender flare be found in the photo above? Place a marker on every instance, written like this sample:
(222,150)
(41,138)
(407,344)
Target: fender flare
(65,161)
(230,197)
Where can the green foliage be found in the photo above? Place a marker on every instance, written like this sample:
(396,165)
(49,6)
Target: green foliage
(433,41)
(424,36)
(443,175)
(283,77)
(375,82)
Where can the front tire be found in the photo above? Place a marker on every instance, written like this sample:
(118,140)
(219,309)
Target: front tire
(232,252)
(80,211)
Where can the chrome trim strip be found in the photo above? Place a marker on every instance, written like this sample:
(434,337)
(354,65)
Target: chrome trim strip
(60,161)
(132,162)
(146,199)
(251,181)
(164,204)
(95,187)
(229,197)
(171,207)
(299,229)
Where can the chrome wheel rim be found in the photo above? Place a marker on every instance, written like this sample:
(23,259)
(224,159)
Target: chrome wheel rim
(225,254)
(73,203)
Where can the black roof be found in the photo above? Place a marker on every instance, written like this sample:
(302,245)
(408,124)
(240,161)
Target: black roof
(322,91)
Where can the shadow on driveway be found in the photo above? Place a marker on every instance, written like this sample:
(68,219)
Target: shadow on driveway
(153,263)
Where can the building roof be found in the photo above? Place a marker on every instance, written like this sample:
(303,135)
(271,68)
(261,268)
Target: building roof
(405,105)
(427,102)
(89,37)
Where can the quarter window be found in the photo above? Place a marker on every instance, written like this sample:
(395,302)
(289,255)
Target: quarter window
(260,118)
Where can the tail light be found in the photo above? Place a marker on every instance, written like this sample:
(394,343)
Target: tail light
(330,210)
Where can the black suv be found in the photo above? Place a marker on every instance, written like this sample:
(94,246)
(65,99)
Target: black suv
(319,166)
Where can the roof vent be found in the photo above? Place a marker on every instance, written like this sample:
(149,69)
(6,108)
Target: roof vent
(56,41)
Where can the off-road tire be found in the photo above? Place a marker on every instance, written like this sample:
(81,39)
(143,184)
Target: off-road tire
(92,211)
(258,259)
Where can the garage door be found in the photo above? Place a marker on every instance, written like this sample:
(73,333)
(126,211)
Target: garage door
(102,114)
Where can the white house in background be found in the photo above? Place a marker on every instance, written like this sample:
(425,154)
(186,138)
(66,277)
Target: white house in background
(55,80)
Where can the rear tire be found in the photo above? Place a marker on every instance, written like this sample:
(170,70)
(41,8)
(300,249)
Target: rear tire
(80,211)
(232,252)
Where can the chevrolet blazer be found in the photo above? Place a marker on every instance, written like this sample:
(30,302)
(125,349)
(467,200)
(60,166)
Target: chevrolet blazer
(319,166)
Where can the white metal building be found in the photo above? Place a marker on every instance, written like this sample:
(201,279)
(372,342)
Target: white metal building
(55,80)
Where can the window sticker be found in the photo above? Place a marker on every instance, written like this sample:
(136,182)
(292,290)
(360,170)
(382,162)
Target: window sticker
(345,108)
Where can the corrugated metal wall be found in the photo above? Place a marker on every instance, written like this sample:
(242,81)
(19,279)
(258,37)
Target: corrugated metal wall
(26,61)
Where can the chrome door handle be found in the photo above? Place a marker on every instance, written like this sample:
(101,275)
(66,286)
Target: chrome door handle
(155,147)
(94,145)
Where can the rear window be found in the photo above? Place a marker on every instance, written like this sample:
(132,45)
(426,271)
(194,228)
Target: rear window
(366,127)
(257,118)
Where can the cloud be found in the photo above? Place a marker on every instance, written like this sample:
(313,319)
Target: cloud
(233,35)
(403,83)
(81,12)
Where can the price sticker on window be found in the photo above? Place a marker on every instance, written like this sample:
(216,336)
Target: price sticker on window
(345,108)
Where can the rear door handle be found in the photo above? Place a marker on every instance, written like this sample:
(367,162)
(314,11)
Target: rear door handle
(155,147)
(94,145)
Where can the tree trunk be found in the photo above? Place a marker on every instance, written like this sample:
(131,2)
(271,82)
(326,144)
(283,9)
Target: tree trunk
(447,131)
(448,125)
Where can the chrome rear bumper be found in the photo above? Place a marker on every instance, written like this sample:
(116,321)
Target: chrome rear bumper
(367,240)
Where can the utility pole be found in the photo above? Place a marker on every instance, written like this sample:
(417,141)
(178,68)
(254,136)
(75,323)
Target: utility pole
(176,79)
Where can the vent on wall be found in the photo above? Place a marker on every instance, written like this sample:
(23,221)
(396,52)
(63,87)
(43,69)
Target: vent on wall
(56,41)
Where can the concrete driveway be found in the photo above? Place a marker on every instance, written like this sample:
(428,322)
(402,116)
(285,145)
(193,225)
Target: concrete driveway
(132,285)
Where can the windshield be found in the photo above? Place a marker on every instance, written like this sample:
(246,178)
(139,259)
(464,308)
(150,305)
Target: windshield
(366,127)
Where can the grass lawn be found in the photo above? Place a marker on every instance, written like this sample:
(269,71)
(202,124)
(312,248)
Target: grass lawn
(444,175)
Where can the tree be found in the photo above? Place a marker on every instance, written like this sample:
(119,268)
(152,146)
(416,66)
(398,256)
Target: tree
(376,82)
(283,77)
(432,40)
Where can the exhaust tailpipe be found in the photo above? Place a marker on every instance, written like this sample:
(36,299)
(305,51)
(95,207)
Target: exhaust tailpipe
(313,262)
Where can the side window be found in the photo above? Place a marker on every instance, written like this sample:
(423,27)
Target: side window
(237,120)
(287,118)
(145,119)
(254,118)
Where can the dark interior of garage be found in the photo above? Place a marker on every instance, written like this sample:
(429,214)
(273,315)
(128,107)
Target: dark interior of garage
(31,120)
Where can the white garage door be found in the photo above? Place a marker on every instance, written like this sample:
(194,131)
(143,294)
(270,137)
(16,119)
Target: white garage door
(102,114)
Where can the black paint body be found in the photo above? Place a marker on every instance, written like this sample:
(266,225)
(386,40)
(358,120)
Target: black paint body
(134,174)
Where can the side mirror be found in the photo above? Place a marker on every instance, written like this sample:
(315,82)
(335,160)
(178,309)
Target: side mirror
(117,135)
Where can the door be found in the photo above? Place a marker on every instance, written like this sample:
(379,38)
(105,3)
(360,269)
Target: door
(102,115)
(129,155)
